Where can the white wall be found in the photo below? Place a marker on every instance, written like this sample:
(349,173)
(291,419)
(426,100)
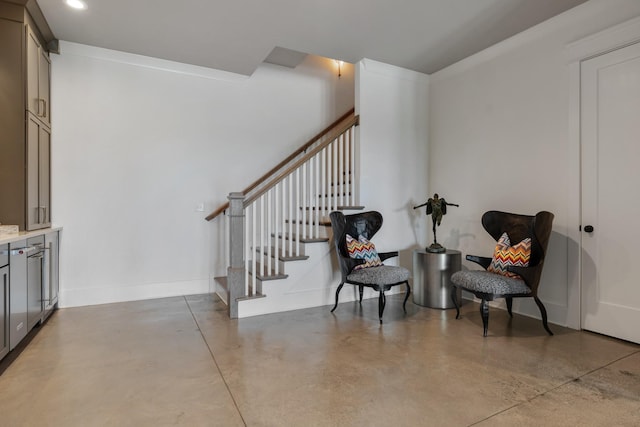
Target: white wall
(139,143)
(500,138)
(392,103)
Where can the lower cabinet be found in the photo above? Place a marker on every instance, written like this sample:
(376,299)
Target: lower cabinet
(17,292)
(50,276)
(35,264)
(28,286)
(4,300)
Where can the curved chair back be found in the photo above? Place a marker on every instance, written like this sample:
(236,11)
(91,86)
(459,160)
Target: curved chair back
(364,224)
(519,227)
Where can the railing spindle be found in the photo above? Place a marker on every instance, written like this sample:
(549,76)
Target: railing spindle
(334,165)
(316,202)
(276,225)
(297,214)
(303,205)
(268,233)
(247,248)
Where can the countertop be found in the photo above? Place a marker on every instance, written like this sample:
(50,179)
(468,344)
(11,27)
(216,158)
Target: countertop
(6,238)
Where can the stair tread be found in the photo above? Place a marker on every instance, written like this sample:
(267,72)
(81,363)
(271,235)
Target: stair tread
(339,208)
(250,297)
(322,222)
(271,275)
(286,257)
(307,239)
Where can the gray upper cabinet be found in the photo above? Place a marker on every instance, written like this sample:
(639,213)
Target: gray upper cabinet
(38,78)
(25,117)
(38,174)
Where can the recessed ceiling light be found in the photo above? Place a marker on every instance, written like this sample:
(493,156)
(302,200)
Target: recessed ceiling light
(76,4)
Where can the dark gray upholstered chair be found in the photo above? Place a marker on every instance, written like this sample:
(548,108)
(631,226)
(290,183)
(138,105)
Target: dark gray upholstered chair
(380,278)
(488,286)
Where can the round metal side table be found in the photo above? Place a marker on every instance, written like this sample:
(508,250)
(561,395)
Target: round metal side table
(432,277)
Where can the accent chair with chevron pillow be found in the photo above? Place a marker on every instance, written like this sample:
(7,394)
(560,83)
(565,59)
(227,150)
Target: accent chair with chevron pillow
(363,249)
(505,255)
(532,232)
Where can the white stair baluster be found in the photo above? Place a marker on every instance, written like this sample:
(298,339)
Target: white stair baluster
(334,165)
(301,208)
(297,214)
(254,255)
(316,202)
(247,249)
(276,225)
(268,233)
(323,184)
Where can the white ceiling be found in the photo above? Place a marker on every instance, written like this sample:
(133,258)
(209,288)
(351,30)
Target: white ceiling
(237,35)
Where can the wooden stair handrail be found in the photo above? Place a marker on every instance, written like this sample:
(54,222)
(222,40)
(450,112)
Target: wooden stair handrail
(285,172)
(217,211)
(292,156)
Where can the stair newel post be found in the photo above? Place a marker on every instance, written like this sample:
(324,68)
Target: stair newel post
(236,269)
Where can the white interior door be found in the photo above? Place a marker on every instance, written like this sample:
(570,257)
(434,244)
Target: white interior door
(610,138)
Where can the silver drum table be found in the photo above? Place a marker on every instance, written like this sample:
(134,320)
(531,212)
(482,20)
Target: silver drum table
(432,277)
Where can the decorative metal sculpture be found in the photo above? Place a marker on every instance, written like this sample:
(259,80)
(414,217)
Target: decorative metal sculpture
(436,207)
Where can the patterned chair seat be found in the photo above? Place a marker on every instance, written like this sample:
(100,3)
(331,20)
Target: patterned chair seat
(490,283)
(384,275)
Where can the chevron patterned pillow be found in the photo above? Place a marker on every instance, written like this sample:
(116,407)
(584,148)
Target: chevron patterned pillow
(505,255)
(363,249)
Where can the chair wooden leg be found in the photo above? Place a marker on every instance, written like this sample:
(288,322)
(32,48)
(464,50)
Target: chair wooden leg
(454,298)
(509,305)
(381,303)
(484,312)
(337,292)
(406,297)
(543,312)
(361,289)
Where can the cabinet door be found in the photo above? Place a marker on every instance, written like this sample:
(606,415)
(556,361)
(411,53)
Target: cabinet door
(44,177)
(38,78)
(34,104)
(33,179)
(38,174)
(44,91)
(4,311)
(34,290)
(50,284)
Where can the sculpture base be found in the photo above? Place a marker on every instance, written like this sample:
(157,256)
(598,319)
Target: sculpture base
(435,248)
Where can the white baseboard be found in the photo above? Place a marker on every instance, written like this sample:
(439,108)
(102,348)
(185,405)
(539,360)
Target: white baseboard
(106,295)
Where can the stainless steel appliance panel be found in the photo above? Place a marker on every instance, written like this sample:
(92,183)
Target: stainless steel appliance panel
(17,292)
(4,255)
(4,311)
(35,260)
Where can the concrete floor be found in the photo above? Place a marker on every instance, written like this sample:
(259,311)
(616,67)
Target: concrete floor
(182,361)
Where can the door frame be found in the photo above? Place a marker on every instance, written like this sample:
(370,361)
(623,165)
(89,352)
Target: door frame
(619,36)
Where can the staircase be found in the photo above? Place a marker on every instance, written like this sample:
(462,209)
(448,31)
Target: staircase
(278,228)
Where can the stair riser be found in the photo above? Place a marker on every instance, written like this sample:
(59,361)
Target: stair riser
(261,268)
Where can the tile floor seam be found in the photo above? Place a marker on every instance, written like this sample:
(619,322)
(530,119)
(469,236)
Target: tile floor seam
(633,353)
(215,362)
